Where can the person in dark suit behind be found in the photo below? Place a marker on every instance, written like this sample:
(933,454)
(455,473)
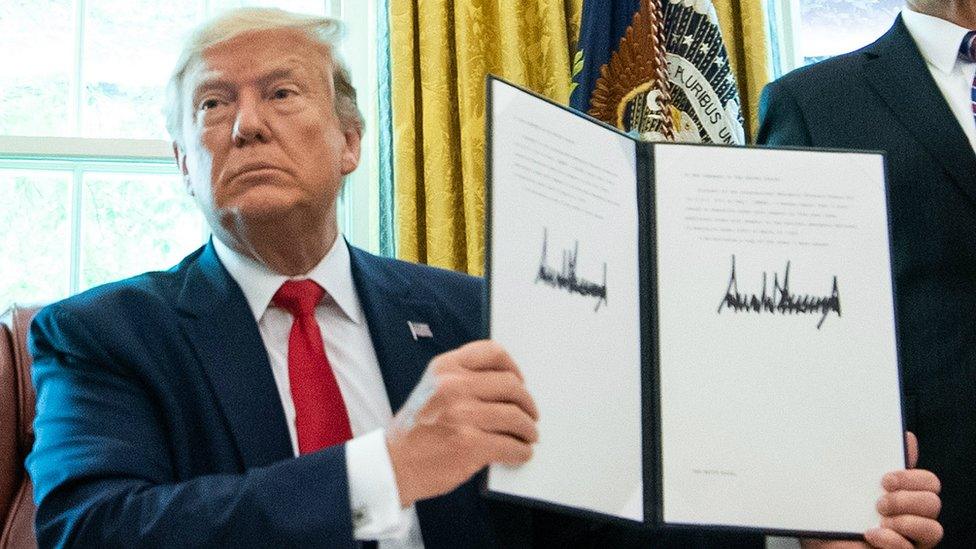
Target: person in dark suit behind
(279,387)
(910,94)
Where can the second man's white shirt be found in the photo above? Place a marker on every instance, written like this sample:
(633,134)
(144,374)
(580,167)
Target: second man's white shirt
(938,41)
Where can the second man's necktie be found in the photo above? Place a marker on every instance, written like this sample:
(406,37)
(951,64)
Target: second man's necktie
(967,51)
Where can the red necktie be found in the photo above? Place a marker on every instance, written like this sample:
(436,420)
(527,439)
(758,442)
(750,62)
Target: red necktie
(320,413)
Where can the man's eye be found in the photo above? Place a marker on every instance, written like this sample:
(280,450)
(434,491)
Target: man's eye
(283,93)
(208,104)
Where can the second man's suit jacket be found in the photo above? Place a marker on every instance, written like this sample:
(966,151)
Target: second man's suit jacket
(159,423)
(883,97)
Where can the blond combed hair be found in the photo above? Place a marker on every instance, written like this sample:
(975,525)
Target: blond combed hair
(323,31)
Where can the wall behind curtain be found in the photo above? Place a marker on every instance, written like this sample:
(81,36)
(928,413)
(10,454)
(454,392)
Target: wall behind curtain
(441,51)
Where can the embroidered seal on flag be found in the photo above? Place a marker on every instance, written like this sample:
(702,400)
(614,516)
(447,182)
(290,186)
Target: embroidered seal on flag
(705,98)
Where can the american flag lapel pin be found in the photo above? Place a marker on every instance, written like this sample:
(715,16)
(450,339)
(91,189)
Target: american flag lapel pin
(419,329)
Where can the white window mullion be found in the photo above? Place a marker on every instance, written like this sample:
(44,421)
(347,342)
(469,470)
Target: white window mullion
(370,107)
(791,45)
(333,8)
(784,19)
(74,233)
(46,148)
(358,207)
(75,99)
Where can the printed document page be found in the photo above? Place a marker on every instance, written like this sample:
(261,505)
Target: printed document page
(564,300)
(778,373)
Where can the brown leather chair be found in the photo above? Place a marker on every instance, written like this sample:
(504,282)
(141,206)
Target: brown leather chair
(16,430)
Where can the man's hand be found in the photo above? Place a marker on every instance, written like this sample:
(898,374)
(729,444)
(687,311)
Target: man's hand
(909,509)
(470,409)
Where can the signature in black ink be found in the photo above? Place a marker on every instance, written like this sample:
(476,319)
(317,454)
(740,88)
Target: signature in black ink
(781,300)
(566,279)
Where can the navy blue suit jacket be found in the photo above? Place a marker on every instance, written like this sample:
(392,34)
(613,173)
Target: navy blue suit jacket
(883,97)
(159,423)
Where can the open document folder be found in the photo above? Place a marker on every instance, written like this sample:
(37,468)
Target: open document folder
(708,331)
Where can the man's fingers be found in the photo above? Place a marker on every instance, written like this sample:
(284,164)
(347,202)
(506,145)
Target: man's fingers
(504,419)
(904,502)
(505,449)
(922,531)
(503,387)
(911,480)
(484,387)
(883,538)
(484,355)
(810,543)
(911,445)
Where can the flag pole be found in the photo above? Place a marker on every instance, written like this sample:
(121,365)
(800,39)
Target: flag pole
(656,19)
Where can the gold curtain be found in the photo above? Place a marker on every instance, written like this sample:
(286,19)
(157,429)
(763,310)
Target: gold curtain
(743,25)
(441,51)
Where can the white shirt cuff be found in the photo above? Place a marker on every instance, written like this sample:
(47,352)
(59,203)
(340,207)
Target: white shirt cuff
(373,495)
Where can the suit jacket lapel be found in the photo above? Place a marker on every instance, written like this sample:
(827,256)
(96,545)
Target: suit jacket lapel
(899,74)
(218,322)
(389,304)
(221,328)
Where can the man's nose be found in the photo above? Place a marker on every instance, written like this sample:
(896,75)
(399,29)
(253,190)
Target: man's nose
(249,126)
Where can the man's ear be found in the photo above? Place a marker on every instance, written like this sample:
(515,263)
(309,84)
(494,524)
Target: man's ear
(180,157)
(350,155)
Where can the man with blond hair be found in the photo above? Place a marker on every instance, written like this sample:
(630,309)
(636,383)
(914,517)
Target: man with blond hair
(279,387)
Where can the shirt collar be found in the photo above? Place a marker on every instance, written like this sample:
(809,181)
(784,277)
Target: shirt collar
(259,283)
(938,40)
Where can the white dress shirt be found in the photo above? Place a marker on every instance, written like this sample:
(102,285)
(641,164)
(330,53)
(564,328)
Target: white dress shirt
(938,40)
(374,499)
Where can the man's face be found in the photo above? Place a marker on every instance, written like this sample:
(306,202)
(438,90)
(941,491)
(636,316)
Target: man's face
(261,135)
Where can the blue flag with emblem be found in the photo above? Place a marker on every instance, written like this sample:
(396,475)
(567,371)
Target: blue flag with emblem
(614,77)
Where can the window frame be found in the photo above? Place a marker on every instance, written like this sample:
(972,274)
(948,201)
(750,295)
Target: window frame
(784,24)
(358,205)
(78,156)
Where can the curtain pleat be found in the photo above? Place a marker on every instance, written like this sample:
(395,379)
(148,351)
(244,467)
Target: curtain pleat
(743,25)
